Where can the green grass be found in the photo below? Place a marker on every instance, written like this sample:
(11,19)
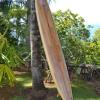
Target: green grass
(81,91)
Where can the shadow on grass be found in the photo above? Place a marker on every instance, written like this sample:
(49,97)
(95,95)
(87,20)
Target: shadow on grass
(24,80)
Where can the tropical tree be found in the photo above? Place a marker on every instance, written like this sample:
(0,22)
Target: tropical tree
(71,23)
(72,32)
(15,13)
(35,44)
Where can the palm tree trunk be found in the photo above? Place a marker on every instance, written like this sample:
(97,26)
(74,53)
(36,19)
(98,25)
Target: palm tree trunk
(35,43)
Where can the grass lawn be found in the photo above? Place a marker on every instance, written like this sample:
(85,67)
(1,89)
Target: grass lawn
(81,91)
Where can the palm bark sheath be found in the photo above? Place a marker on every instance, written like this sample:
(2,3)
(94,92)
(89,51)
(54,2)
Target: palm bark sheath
(53,49)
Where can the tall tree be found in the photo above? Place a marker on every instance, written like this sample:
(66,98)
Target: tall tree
(35,41)
(72,31)
(35,44)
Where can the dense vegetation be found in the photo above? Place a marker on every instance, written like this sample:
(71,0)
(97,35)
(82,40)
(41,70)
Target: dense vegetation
(73,33)
(13,28)
(74,36)
(15,32)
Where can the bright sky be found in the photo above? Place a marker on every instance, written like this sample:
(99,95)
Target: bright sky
(88,9)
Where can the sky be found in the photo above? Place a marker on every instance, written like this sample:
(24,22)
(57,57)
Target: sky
(88,9)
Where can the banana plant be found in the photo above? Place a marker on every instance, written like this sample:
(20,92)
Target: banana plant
(8,60)
(6,75)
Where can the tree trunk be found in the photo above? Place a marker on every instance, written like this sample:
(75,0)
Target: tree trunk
(35,43)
